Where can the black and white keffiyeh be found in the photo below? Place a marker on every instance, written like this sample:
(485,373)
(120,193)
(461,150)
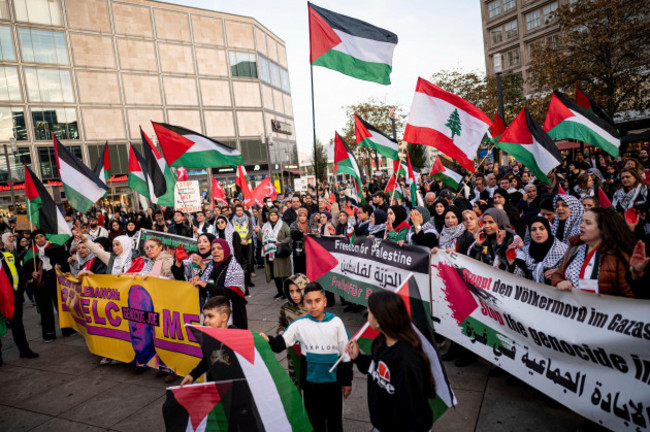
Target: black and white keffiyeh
(627,199)
(449,236)
(551,260)
(572,223)
(572,272)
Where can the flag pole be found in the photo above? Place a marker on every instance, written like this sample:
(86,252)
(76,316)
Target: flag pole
(313,109)
(391,199)
(29,213)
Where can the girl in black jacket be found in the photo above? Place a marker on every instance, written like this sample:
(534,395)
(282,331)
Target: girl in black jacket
(399,373)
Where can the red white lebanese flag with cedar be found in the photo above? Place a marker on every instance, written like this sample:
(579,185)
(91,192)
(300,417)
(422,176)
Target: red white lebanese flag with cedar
(447,122)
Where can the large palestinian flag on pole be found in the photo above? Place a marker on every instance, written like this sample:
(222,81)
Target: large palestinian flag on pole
(82,186)
(137,178)
(345,162)
(587,103)
(529,144)
(42,210)
(256,394)
(445,170)
(566,119)
(447,122)
(350,46)
(159,172)
(103,166)
(369,136)
(186,148)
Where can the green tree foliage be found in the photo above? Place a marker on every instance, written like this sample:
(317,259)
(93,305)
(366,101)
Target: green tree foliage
(417,154)
(319,160)
(375,112)
(603,45)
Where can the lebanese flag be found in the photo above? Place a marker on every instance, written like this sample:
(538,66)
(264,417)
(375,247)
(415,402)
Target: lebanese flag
(218,194)
(528,143)
(83,188)
(42,211)
(184,147)
(345,162)
(447,122)
(262,397)
(444,170)
(242,181)
(263,190)
(411,180)
(566,119)
(369,136)
(103,166)
(157,166)
(350,46)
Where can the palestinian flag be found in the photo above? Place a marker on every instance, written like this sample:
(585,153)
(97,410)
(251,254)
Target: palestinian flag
(528,143)
(560,190)
(447,122)
(399,169)
(445,170)
(183,147)
(42,210)
(411,180)
(82,186)
(138,179)
(103,166)
(263,397)
(350,46)
(420,313)
(159,173)
(393,189)
(587,103)
(603,199)
(498,127)
(369,136)
(566,119)
(198,407)
(345,162)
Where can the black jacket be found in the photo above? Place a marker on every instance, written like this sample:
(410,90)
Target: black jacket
(181,230)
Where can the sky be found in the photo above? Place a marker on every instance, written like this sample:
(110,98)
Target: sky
(433,35)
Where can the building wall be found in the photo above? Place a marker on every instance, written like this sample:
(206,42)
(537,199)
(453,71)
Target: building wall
(96,70)
(512,28)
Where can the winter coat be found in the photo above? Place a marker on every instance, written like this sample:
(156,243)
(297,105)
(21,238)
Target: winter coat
(281,266)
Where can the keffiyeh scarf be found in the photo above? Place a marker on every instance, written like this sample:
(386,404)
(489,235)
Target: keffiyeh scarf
(270,239)
(449,236)
(551,260)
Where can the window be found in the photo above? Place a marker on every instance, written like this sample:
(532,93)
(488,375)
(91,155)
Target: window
(511,29)
(16,162)
(284,77)
(60,121)
(42,46)
(12,124)
(243,64)
(532,49)
(9,86)
(4,10)
(494,8)
(6,44)
(512,58)
(509,4)
(46,156)
(548,10)
(496,35)
(275,75)
(39,11)
(253,152)
(553,41)
(533,20)
(265,73)
(49,85)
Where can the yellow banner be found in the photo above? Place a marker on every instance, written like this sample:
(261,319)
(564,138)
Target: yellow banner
(135,321)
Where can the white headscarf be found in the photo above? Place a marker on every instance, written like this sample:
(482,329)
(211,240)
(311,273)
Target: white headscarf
(122,262)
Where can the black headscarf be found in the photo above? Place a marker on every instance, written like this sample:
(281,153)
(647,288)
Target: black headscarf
(539,250)
(211,238)
(455,210)
(504,193)
(400,215)
(439,220)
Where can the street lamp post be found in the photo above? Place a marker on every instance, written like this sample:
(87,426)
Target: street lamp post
(497,71)
(14,149)
(268,142)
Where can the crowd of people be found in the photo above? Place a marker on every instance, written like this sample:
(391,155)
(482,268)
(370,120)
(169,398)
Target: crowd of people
(502,216)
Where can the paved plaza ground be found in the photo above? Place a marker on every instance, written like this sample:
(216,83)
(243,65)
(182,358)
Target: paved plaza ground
(66,389)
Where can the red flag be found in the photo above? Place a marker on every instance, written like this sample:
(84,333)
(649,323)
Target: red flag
(560,190)
(218,194)
(437,167)
(603,199)
(498,126)
(263,190)
(6,295)
(181,174)
(242,182)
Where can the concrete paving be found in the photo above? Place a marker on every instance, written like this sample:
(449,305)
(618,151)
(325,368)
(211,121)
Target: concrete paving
(65,389)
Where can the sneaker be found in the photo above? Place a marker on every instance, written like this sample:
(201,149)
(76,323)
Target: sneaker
(28,354)
(48,340)
(105,361)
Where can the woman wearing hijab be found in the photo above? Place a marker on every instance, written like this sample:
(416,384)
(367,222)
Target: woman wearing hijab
(544,252)
(273,233)
(568,216)
(131,229)
(377,226)
(422,232)
(326,228)
(198,264)
(117,262)
(225,230)
(399,228)
(345,228)
(438,214)
(502,201)
(454,235)
(227,279)
(496,244)
(84,260)
(299,229)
